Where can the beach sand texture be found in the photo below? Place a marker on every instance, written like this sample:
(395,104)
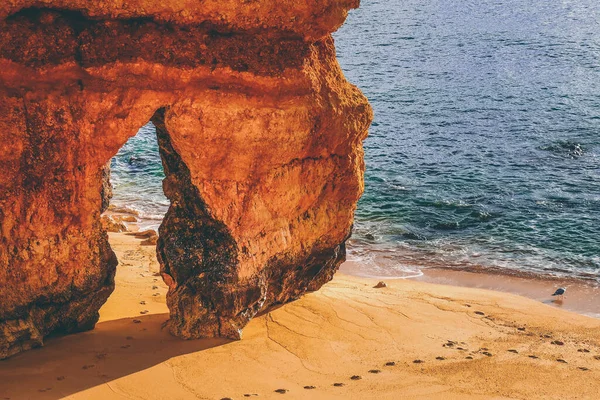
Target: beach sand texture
(407,340)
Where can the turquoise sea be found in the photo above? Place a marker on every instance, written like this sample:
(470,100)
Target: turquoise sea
(485,149)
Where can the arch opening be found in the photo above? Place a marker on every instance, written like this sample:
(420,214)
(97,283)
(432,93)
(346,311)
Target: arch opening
(134,206)
(137,200)
(155,206)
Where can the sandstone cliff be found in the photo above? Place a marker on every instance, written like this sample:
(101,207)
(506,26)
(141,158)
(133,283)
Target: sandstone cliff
(259,132)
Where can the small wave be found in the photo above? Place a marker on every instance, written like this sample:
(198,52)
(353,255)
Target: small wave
(482,216)
(413,235)
(153,217)
(447,225)
(448,204)
(137,212)
(398,187)
(378,265)
(565,147)
(124,210)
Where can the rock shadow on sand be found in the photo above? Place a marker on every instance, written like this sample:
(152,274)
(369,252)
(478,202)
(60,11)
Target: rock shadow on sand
(114,349)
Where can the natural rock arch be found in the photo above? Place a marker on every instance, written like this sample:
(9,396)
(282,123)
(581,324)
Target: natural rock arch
(260,135)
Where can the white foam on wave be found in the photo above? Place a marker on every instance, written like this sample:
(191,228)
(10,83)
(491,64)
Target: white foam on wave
(370,263)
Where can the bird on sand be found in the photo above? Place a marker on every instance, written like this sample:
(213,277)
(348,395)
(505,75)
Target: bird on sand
(560,292)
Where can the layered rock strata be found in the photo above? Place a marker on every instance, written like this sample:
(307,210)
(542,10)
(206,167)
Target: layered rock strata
(259,132)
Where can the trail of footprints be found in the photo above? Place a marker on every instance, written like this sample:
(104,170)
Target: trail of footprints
(482,352)
(450,344)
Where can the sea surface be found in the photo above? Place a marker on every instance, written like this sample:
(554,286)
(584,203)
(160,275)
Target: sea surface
(485,149)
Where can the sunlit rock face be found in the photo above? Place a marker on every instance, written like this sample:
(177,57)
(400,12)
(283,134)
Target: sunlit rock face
(259,132)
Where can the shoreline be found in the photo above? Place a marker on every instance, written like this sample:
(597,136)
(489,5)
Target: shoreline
(583,297)
(410,339)
(582,293)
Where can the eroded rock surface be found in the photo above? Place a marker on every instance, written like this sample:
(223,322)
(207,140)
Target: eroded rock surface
(260,135)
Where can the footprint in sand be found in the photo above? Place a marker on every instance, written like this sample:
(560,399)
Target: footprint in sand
(560,360)
(356,377)
(469,357)
(487,353)
(597,358)
(310,387)
(521,329)
(513,351)
(143,302)
(338,384)
(250,394)
(418,362)
(156,294)
(583,350)
(154,287)
(136,321)
(479,313)
(532,356)
(440,358)
(129,338)
(390,364)
(557,343)
(88,366)
(126,346)
(144,312)
(60,378)
(226,398)
(583,369)
(374,371)
(281,391)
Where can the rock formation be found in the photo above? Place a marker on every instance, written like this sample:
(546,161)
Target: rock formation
(259,132)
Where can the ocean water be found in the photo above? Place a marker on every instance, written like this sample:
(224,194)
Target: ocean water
(485,149)
(136,176)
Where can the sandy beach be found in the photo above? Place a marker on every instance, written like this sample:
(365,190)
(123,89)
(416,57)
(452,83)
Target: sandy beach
(407,340)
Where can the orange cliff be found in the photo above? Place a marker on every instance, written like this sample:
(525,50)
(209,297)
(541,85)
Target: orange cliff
(259,132)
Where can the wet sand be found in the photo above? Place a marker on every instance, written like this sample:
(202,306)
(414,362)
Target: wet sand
(581,297)
(411,339)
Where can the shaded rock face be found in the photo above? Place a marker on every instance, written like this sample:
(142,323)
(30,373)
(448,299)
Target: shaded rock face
(260,136)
